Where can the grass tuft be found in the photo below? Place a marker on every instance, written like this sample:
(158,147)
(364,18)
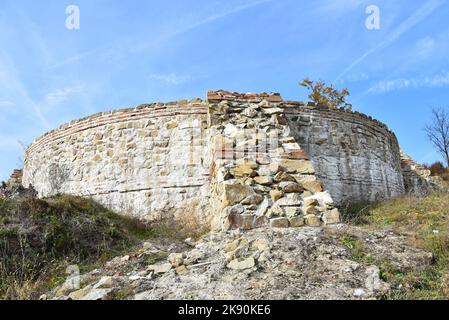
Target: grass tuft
(39,238)
(425,222)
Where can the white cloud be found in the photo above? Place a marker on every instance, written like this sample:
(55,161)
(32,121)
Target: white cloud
(354,77)
(432,47)
(433,81)
(224,14)
(6,103)
(59,96)
(171,78)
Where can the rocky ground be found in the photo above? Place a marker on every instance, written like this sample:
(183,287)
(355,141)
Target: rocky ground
(334,262)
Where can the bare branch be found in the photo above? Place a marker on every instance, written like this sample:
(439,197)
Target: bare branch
(438,132)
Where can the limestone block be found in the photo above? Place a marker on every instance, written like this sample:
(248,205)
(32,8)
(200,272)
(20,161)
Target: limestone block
(260,222)
(277,210)
(176,259)
(262,210)
(289,187)
(290,199)
(270,111)
(310,183)
(331,216)
(274,167)
(253,199)
(324,199)
(282,176)
(242,264)
(263,180)
(297,221)
(312,220)
(276,194)
(243,170)
(297,166)
(160,268)
(310,210)
(235,193)
(292,211)
(241,221)
(279,222)
(310,201)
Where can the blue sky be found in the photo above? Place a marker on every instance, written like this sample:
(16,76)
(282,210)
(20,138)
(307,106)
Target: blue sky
(131,52)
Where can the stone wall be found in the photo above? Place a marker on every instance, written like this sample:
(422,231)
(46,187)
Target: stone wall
(357,157)
(165,159)
(417,179)
(147,161)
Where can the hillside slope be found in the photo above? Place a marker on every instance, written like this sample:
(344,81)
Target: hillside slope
(397,249)
(368,261)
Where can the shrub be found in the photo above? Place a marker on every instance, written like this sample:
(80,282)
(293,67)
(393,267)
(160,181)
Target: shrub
(326,95)
(437,169)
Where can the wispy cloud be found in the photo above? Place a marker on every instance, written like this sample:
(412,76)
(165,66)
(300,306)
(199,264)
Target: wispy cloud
(224,14)
(423,12)
(6,103)
(61,95)
(80,56)
(10,81)
(354,77)
(343,6)
(433,81)
(138,46)
(170,78)
(431,47)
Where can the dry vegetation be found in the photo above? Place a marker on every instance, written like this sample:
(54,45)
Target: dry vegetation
(40,238)
(425,222)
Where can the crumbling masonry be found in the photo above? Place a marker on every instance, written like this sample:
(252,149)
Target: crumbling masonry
(232,161)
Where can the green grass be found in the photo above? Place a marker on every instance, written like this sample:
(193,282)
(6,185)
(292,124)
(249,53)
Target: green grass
(425,223)
(357,250)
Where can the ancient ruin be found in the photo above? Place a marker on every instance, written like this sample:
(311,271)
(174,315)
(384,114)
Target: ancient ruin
(232,161)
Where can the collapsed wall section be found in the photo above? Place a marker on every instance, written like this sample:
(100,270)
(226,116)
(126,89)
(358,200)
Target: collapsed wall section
(259,173)
(417,179)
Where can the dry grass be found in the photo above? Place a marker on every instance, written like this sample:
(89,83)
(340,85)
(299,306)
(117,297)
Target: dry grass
(425,222)
(39,238)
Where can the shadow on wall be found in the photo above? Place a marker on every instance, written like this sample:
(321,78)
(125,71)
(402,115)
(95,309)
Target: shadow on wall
(57,176)
(357,158)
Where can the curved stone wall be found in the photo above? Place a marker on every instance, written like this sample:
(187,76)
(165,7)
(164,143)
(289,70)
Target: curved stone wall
(357,157)
(145,161)
(156,159)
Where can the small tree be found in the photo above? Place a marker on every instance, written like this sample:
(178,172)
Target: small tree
(327,95)
(438,132)
(437,168)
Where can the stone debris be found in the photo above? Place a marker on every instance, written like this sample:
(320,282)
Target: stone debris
(241,264)
(176,259)
(417,178)
(160,268)
(264,263)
